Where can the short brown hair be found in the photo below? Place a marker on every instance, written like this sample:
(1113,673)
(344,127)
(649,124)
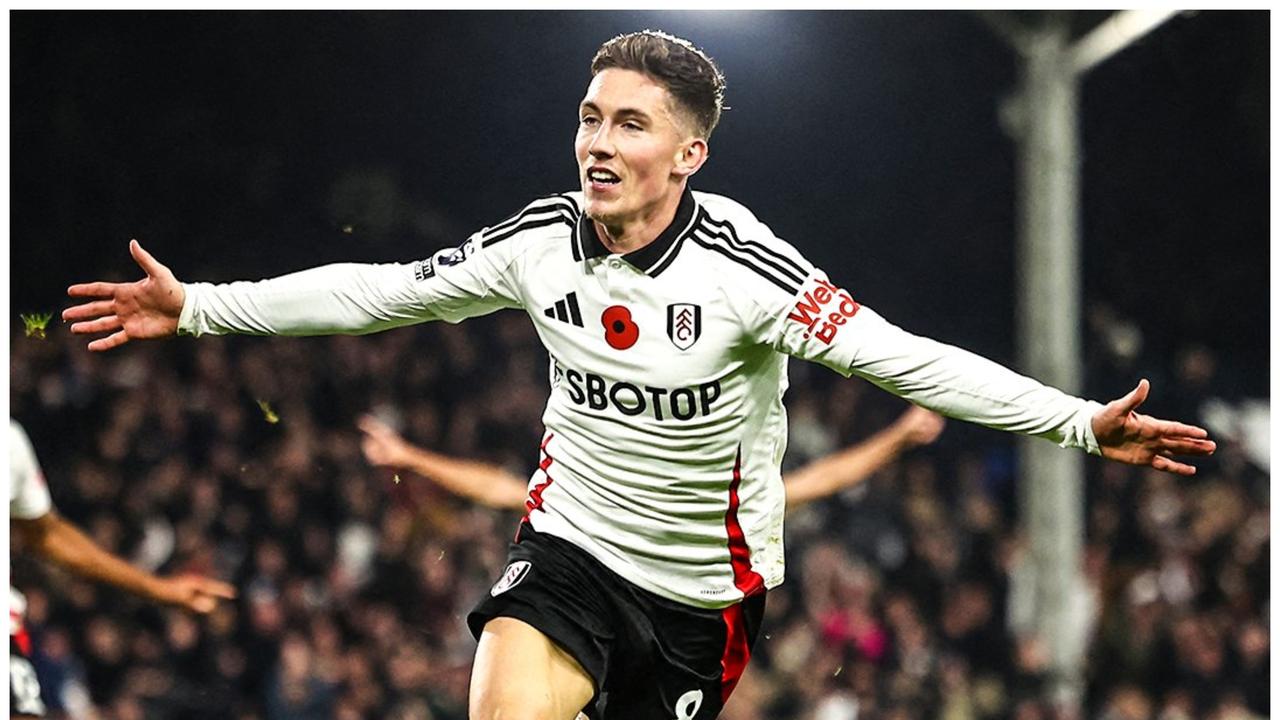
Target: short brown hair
(688,73)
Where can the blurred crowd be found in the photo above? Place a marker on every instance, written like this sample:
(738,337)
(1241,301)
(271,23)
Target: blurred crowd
(905,596)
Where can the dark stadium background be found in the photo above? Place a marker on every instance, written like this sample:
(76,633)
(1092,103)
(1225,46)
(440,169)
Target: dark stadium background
(238,145)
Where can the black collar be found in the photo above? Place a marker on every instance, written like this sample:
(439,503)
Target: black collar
(652,258)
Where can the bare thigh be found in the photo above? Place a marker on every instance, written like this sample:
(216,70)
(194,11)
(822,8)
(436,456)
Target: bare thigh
(520,674)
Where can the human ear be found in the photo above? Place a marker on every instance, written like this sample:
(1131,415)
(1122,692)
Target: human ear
(690,157)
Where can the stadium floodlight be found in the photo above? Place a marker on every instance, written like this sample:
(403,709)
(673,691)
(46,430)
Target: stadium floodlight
(1114,34)
(1045,124)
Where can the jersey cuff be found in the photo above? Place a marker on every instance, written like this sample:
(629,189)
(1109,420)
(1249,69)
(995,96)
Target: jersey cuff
(187,318)
(1082,431)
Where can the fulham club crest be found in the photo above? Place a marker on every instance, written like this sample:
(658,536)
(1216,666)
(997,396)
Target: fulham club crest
(511,577)
(684,324)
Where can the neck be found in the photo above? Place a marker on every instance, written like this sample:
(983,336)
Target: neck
(630,234)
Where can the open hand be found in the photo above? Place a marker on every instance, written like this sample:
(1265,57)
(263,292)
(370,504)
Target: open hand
(1130,437)
(148,308)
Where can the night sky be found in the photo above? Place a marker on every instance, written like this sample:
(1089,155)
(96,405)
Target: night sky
(241,145)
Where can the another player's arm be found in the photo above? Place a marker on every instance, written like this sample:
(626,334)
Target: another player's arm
(58,540)
(848,467)
(494,487)
(481,482)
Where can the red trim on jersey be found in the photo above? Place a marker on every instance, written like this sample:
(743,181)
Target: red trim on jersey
(737,651)
(534,502)
(744,578)
(22,637)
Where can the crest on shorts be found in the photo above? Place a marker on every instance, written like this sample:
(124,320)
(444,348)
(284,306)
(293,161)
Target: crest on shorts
(684,324)
(515,573)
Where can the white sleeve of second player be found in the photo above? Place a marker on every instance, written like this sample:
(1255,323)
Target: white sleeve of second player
(28,493)
(349,298)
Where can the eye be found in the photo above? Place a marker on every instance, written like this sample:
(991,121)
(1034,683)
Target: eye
(633,126)
(589,121)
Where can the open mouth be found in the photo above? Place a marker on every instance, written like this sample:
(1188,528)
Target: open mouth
(603,177)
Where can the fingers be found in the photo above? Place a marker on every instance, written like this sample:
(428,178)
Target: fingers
(1153,427)
(372,425)
(1171,428)
(202,595)
(144,259)
(1187,446)
(110,323)
(1160,462)
(217,588)
(113,340)
(1130,402)
(89,310)
(93,289)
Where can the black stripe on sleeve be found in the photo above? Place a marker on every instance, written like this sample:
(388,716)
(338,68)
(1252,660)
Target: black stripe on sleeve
(530,224)
(744,251)
(790,289)
(560,205)
(536,207)
(799,267)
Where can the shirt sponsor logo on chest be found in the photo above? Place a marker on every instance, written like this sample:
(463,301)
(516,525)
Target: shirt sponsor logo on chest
(631,399)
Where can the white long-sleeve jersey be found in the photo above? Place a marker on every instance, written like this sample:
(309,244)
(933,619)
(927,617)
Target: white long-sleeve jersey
(665,427)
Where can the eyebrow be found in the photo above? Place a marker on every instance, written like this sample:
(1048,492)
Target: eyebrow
(623,112)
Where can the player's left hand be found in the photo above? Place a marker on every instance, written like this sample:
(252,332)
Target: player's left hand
(1130,437)
(194,592)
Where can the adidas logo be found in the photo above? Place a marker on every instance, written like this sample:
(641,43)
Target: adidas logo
(566,310)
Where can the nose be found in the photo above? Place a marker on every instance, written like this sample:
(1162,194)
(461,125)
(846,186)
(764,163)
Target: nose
(602,142)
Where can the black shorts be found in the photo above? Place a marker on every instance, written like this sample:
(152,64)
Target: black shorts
(650,657)
(24,688)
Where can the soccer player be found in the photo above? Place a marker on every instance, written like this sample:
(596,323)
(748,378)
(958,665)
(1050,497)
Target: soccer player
(637,583)
(495,487)
(33,519)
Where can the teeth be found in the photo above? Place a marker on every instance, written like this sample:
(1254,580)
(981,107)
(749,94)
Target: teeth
(603,176)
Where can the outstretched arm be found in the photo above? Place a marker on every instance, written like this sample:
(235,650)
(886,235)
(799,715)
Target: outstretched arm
(1130,437)
(484,483)
(58,540)
(335,299)
(960,384)
(846,468)
(341,298)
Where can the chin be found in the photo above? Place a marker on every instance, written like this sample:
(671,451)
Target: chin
(600,212)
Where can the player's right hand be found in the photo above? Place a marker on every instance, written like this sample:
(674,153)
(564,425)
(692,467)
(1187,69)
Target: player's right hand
(148,308)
